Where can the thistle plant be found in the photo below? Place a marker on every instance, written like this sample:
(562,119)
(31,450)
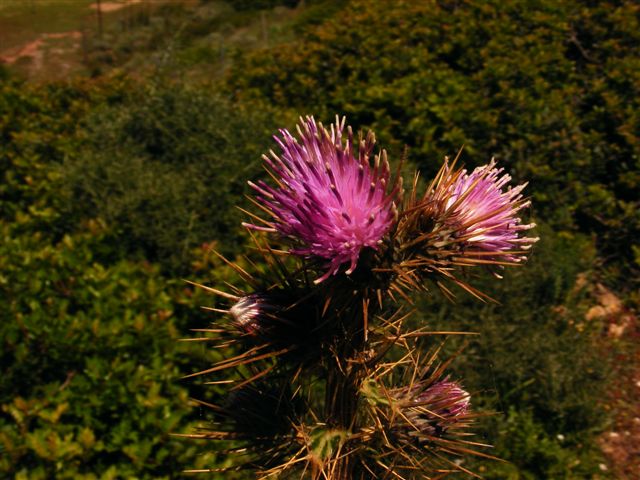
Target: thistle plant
(326,380)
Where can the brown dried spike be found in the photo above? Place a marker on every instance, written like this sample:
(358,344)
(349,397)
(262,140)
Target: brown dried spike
(214,290)
(243,273)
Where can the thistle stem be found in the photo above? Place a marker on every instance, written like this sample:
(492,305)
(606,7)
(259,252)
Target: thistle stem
(344,379)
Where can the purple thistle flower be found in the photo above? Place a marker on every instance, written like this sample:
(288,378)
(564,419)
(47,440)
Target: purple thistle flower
(436,408)
(446,399)
(479,212)
(332,203)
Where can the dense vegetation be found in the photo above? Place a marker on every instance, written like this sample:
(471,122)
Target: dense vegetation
(90,361)
(167,166)
(113,189)
(549,88)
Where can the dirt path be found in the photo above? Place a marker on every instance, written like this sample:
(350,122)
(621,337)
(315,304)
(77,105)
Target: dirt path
(621,443)
(34,49)
(46,56)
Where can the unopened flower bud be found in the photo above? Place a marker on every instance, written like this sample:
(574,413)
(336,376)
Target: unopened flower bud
(435,409)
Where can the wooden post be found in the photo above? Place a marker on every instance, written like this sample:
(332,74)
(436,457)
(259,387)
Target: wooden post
(265,30)
(99,14)
(85,46)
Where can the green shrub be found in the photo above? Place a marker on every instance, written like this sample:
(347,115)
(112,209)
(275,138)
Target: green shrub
(166,168)
(90,384)
(536,454)
(38,128)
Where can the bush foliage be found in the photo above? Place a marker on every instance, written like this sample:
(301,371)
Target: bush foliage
(91,364)
(166,166)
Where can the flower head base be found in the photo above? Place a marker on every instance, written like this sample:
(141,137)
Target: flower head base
(478,213)
(330,202)
(277,320)
(434,410)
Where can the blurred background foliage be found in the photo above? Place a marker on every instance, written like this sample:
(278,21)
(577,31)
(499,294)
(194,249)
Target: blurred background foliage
(168,166)
(536,360)
(119,176)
